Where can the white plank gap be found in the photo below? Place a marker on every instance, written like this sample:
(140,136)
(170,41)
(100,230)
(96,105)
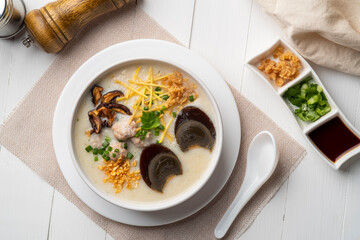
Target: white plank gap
(262,31)
(218,35)
(174,16)
(25,201)
(68,222)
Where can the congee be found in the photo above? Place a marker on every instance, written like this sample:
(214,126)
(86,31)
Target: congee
(144,132)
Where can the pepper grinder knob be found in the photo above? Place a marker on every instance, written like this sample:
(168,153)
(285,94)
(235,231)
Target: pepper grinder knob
(27,41)
(55,24)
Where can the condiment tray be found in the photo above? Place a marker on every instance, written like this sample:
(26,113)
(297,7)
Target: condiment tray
(307,127)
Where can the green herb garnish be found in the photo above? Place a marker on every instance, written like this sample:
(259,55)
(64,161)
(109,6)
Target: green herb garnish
(157,132)
(174,114)
(96,159)
(116,150)
(310,99)
(191,98)
(107,139)
(149,120)
(165,97)
(125,146)
(158,89)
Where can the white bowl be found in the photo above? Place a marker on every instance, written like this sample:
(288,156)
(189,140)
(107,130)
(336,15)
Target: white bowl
(141,55)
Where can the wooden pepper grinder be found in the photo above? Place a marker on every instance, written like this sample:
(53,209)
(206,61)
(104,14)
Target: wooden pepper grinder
(55,24)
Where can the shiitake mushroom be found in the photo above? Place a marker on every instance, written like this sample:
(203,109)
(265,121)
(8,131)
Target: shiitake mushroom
(158,165)
(110,97)
(95,121)
(96,94)
(193,128)
(117,107)
(108,111)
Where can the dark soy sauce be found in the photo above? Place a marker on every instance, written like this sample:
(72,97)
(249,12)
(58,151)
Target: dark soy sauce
(334,139)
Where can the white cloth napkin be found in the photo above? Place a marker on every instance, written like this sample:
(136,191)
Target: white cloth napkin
(326,32)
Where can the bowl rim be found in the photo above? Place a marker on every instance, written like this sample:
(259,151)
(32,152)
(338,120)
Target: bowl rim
(143,206)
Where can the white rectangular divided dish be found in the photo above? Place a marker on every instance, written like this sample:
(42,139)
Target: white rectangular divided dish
(306,127)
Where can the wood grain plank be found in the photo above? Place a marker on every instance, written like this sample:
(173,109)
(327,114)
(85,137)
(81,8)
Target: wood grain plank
(174,16)
(262,32)
(68,222)
(316,194)
(323,192)
(351,222)
(6,59)
(25,201)
(219,35)
(28,65)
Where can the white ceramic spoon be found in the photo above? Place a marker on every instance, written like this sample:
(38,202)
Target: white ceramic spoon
(262,159)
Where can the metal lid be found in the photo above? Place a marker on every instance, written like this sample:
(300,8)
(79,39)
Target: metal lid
(12,15)
(2,7)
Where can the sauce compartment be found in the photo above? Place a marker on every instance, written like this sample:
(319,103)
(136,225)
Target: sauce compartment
(332,135)
(336,140)
(254,63)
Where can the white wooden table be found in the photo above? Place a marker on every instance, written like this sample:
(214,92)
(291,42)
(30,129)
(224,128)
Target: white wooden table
(315,203)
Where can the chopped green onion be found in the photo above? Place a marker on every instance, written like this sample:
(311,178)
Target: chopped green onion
(107,158)
(161,111)
(310,100)
(163,108)
(121,140)
(105,144)
(174,114)
(138,133)
(107,139)
(142,138)
(129,156)
(191,98)
(158,89)
(156,113)
(116,150)
(106,152)
(88,148)
(110,148)
(157,132)
(146,108)
(101,151)
(96,159)
(165,97)
(95,151)
(125,145)
(157,142)
(161,127)
(104,156)
(114,155)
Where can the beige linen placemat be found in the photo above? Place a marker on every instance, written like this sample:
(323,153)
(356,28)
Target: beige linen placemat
(31,122)
(327,32)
